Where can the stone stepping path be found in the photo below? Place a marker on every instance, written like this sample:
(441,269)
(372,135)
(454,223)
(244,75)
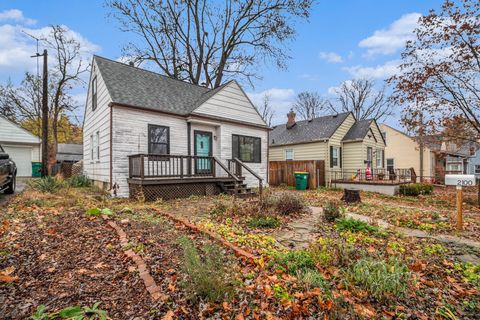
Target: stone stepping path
(298,234)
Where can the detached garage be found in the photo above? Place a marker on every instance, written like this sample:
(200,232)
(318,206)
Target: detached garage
(22,146)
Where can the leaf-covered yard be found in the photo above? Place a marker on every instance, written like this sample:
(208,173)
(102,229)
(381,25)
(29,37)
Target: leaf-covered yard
(58,250)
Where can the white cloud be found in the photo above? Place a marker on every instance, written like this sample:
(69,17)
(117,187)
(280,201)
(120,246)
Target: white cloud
(382,71)
(390,40)
(16,47)
(309,76)
(330,57)
(17,16)
(281,101)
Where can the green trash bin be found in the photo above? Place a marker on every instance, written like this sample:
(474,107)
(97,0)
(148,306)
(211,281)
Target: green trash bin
(36,169)
(301,180)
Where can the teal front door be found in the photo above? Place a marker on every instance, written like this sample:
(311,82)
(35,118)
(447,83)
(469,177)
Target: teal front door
(203,148)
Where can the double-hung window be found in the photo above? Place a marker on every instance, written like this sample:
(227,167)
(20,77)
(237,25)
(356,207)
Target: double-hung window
(369,155)
(379,158)
(97,144)
(247,149)
(92,148)
(158,139)
(390,165)
(335,153)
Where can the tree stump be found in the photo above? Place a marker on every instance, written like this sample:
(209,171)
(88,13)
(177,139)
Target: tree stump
(351,196)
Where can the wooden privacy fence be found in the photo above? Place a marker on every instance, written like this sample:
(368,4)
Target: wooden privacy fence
(282,172)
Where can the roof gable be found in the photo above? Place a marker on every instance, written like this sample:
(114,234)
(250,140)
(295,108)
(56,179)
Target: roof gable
(10,132)
(227,101)
(305,131)
(360,130)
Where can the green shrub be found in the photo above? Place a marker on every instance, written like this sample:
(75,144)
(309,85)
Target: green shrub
(46,184)
(354,225)
(332,211)
(287,203)
(416,189)
(333,251)
(294,261)
(75,312)
(380,278)
(263,222)
(79,182)
(310,279)
(208,278)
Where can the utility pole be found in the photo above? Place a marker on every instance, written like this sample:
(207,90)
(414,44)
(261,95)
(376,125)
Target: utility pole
(44,171)
(45,115)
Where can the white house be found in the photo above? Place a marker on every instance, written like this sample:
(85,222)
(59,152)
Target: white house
(179,131)
(22,146)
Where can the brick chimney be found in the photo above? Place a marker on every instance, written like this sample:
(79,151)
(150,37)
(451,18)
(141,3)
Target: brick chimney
(291,119)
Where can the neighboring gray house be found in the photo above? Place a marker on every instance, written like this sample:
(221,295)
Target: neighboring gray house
(144,129)
(69,152)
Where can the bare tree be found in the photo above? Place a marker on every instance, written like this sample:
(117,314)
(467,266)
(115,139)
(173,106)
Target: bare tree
(440,71)
(266,110)
(65,73)
(205,42)
(23,102)
(309,105)
(360,97)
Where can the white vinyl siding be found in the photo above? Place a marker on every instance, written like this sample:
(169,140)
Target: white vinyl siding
(97,169)
(231,103)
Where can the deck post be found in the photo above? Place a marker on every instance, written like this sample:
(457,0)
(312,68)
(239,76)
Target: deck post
(181,167)
(142,167)
(130,167)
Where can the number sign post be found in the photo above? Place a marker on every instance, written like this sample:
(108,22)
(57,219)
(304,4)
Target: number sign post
(460,180)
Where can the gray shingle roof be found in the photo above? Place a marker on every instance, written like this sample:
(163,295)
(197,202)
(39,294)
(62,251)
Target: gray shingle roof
(142,88)
(307,130)
(358,131)
(69,152)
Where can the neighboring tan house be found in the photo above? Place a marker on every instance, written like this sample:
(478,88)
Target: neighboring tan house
(147,134)
(403,151)
(22,146)
(345,144)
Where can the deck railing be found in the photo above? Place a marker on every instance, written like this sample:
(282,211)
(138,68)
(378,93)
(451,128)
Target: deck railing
(236,166)
(145,166)
(380,175)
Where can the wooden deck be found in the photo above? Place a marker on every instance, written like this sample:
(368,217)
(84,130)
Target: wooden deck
(178,176)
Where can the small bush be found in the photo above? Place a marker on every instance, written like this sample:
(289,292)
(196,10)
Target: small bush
(380,278)
(46,184)
(310,279)
(294,261)
(219,208)
(263,222)
(74,312)
(79,182)
(332,211)
(208,278)
(354,225)
(416,189)
(288,203)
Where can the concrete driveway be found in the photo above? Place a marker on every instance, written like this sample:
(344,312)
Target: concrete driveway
(21,184)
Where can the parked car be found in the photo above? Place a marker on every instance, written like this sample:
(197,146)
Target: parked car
(8,173)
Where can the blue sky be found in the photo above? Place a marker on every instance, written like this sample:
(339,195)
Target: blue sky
(342,40)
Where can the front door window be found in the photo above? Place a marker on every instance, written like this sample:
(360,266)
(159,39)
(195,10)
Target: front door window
(203,149)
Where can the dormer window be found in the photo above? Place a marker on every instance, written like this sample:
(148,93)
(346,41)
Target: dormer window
(94,93)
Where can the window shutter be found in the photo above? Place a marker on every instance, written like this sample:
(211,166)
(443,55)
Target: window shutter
(383,158)
(331,156)
(340,157)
